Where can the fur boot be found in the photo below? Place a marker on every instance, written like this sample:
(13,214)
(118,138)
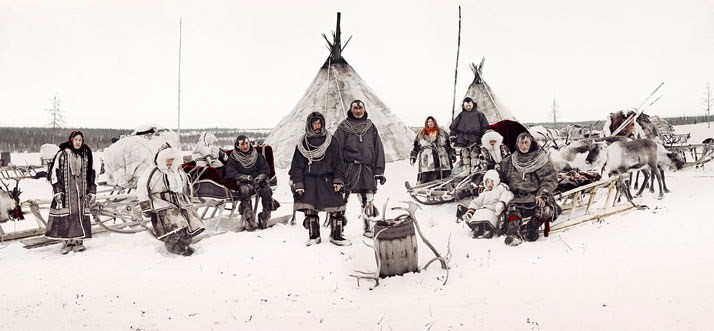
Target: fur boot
(513,231)
(337,223)
(263,218)
(248,215)
(312,224)
(79,246)
(66,247)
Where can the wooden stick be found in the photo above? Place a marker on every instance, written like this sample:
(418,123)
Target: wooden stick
(456,70)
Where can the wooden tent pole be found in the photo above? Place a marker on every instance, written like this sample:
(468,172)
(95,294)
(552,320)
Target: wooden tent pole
(456,70)
(638,112)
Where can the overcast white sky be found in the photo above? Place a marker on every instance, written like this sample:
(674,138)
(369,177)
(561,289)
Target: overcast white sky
(247,63)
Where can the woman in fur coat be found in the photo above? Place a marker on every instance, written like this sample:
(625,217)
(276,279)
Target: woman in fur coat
(433,151)
(165,193)
(72,177)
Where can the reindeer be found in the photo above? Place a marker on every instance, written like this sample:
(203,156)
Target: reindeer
(639,154)
(545,137)
(642,128)
(584,154)
(10,203)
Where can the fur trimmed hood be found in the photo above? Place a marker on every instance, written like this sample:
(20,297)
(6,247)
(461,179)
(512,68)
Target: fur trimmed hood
(492,175)
(492,135)
(207,138)
(165,154)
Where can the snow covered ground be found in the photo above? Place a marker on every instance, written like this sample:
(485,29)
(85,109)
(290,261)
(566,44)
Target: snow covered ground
(642,270)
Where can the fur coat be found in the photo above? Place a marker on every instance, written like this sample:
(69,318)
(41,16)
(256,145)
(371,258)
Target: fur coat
(490,204)
(166,194)
(72,177)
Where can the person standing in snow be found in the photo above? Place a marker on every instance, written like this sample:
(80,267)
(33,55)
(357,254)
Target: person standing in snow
(164,192)
(73,183)
(468,127)
(317,177)
(484,211)
(206,153)
(433,149)
(532,179)
(363,155)
(251,172)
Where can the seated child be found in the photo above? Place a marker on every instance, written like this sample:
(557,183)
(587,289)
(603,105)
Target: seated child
(484,210)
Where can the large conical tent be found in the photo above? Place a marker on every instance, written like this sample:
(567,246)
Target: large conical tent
(485,98)
(334,87)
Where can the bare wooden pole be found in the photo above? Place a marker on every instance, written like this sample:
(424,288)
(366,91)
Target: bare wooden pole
(638,111)
(179,81)
(456,70)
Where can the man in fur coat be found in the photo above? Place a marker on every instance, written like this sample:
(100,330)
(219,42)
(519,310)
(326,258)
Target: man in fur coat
(363,155)
(468,127)
(251,172)
(532,179)
(317,177)
(72,177)
(164,192)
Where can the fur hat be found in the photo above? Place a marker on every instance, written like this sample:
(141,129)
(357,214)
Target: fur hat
(166,152)
(207,139)
(492,175)
(491,135)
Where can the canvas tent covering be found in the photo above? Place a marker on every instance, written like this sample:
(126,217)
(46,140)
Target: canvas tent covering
(484,97)
(131,155)
(334,87)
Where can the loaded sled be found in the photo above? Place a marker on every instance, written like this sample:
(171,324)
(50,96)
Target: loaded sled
(462,184)
(215,194)
(117,208)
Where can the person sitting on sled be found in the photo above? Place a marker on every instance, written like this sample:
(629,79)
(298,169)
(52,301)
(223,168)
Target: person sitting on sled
(492,152)
(532,179)
(251,172)
(206,153)
(484,210)
(164,193)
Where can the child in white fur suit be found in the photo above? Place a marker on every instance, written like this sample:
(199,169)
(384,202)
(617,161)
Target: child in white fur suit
(206,153)
(484,210)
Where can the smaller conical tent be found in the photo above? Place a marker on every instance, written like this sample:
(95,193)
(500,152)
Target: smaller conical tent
(484,97)
(334,87)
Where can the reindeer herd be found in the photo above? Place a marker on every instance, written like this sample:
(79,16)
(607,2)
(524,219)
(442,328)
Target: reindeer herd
(636,146)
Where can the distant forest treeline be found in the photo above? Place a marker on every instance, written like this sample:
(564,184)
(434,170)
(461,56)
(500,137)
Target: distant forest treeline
(29,140)
(680,120)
